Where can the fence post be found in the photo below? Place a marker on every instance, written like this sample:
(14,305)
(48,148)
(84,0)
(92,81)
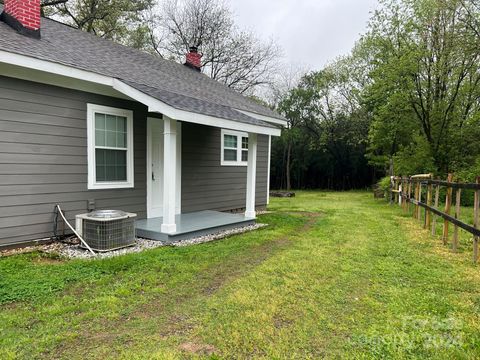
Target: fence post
(409,180)
(419,208)
(437,197)
(458,196)
(400,191)
(396,189)
(476,222)
(416,198)
(429,203)
(391,190)
(448,205)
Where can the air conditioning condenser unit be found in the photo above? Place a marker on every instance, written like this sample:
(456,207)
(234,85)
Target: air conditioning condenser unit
(106,230)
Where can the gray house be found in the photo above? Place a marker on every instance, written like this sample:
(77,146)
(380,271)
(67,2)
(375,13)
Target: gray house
(90,124)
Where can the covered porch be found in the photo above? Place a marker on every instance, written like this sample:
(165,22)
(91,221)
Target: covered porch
(165,185)
(165,219)
(191,225)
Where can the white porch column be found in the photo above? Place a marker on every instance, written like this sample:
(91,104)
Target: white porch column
(169,174)
(251,175)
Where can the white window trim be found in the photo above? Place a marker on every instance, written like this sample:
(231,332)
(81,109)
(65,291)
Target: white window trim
(92,182)
(239,136)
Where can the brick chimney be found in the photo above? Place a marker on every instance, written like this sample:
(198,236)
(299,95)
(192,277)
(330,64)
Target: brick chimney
(194,59)
(23,16)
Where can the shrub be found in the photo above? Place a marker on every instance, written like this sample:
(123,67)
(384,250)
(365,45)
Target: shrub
(384,185)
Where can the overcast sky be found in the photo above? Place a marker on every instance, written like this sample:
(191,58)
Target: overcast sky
(311,32)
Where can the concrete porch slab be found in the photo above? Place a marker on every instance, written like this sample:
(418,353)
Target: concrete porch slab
(191,225)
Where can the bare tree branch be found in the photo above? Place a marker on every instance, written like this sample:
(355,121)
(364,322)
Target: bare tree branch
(236,58)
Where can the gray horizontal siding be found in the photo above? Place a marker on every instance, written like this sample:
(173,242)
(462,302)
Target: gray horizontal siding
(43,158)
(206,185)
(19,148)
(26,117)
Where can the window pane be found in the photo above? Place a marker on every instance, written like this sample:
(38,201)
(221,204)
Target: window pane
(230,141)
(230,155)
(121,140)
(121,173)
(111,130)
(121,158)
(99,137)
(121,124)
(111,139)
(100,121)
(244,155)
(110,157)
(111,165)
(100,157)
(110,173)
(111,123)
(100,173)
(244,142)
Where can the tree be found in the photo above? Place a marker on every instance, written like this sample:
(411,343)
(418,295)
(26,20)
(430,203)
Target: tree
(426,81)
(325,142)
(470,15)
(297,107)
(282,83)
(119,20)
(46,3)
(234,57)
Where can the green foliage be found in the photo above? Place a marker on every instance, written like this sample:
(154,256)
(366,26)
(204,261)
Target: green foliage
(470,174)
(414,158)
(22,281)
(425,85)
(384,184)
(326,137)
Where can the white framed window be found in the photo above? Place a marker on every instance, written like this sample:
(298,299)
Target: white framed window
(234,148)
(110,147)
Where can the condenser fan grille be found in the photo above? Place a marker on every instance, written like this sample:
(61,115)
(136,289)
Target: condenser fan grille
(102,231)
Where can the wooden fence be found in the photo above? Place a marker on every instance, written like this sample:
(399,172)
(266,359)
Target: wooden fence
(410,190)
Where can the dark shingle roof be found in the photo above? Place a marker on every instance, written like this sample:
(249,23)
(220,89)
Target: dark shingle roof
(167,81)
(192,104)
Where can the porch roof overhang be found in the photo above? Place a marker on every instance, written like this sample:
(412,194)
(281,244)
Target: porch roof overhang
(235,119)
(157,106)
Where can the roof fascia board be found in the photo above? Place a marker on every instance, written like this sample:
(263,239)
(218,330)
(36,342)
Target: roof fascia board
(155,105)
(264,118)
(42,77)
(54,68)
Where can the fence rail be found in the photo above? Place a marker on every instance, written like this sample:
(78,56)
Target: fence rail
(453,185)
(401,193)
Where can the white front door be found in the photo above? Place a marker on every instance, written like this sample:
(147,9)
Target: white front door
(154,167)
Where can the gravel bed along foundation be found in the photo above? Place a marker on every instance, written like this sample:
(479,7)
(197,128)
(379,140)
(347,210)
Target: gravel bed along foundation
(71,249)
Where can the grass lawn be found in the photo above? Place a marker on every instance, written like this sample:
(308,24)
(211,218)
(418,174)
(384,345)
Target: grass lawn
(335,275)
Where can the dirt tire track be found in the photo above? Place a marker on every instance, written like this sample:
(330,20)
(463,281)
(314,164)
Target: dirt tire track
(216,277)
